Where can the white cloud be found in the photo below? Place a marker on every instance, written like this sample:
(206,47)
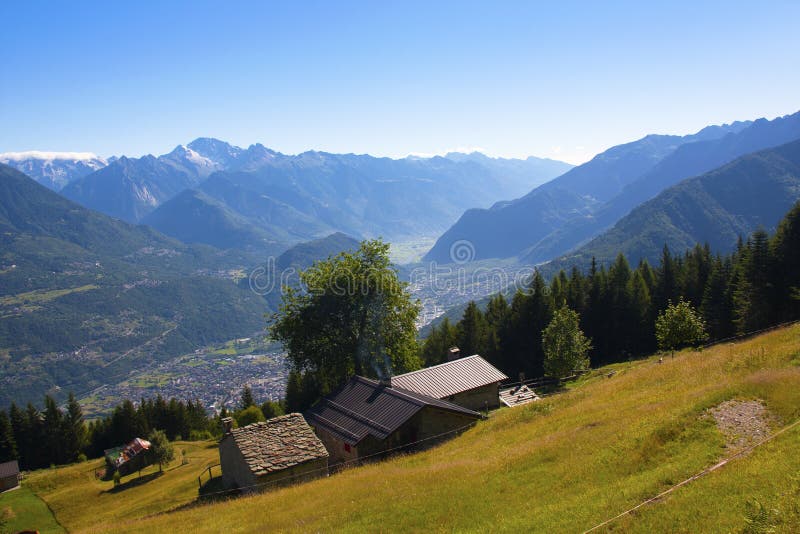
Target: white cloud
(38,154)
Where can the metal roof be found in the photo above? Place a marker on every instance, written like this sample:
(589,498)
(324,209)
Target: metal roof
(365,407)
(450,378)
(9,469)
(517,395)
(277,443)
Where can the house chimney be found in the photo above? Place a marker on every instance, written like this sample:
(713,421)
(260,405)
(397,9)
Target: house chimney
(227,425)
(453,353)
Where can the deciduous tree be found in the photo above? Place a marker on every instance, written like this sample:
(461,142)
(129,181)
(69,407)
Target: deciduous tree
(351,315)
(160,447)
(565,346)
(679,325)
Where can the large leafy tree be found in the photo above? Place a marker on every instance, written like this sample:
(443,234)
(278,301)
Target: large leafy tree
(565,346)
(351,315)
(679,325)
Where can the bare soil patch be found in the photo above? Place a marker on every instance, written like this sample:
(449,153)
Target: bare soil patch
(743,423)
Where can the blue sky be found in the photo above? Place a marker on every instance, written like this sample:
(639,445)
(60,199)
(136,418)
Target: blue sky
(556,79)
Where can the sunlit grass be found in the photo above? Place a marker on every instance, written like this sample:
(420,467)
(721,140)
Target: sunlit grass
(563,464)
(21,509)
(79,500)
(38,296)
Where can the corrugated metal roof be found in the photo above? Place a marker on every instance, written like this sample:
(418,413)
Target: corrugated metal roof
(517,395)
(450,378)
(9,469)
(364,407)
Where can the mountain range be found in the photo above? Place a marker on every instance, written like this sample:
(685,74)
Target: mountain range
(85,298)
(54,169)
(715,208)
(570,210)
(268,197)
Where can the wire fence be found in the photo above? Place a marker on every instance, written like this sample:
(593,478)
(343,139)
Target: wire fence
(696,476)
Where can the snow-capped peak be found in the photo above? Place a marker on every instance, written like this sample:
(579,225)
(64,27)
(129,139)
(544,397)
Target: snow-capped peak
(50,156)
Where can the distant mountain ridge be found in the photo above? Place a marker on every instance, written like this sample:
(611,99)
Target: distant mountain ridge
(718,207)
(690,159)
(54,169)
(130,188)
(195,217)
(568,211)
(289,199)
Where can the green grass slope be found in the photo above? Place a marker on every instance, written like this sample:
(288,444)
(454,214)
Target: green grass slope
(564,464)
(21,509)
(79,500)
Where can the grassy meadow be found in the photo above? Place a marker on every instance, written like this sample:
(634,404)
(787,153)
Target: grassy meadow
(564,464)
(79,500)
(21,509)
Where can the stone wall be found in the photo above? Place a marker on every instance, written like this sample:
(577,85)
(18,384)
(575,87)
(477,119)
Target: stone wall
(337,449)
(427,423)
(9,482)
(235,472)
(432,422)
(294,475)
(478,399)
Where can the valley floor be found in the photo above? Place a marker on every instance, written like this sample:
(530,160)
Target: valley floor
(563,464)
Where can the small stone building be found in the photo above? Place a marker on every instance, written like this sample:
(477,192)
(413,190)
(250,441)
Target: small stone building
(366,418)
(471,382)
(282,450)
(9,475)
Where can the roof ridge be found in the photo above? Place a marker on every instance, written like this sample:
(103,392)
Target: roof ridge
(392,391)
(418,399)
(440,365)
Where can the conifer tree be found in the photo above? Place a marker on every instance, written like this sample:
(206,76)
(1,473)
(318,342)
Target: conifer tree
(75,430)
(247,398)
(667,288)
(8,445)
(472,331)
(751,297)
(785,250)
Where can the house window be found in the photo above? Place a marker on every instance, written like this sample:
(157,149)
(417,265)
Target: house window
(347,447)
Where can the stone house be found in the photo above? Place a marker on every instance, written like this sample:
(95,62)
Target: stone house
(9,475)
(282,450)
(366,419)
(471,382)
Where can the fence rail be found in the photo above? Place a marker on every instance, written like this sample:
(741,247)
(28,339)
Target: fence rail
(210,474)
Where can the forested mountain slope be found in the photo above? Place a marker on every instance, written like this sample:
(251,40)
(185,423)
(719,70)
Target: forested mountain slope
(715,208)
(84,297)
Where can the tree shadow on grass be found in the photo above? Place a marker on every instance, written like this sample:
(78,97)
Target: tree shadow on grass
(132,483)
